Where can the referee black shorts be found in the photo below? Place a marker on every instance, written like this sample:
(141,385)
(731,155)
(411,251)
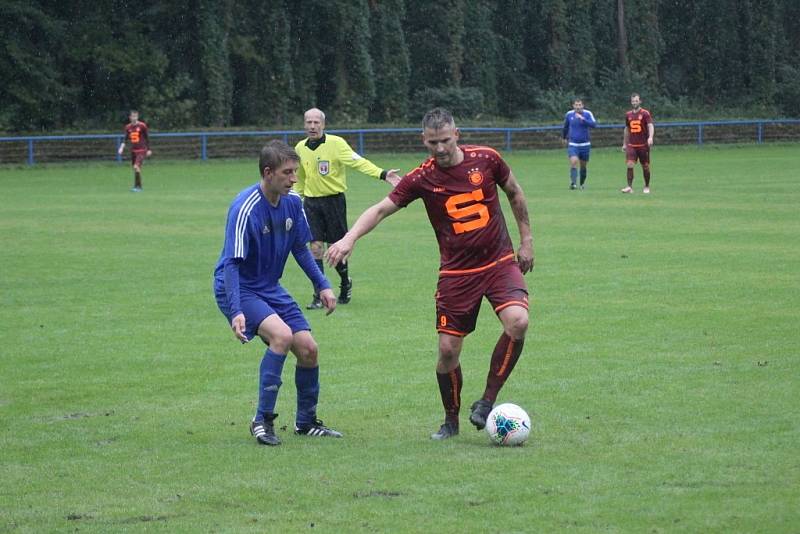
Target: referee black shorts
(327,217)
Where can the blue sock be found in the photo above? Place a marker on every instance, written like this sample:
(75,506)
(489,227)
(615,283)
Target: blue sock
(583,175)
(269,382)
(573,175)
(307,381)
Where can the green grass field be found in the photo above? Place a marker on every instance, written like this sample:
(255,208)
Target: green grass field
(661,368)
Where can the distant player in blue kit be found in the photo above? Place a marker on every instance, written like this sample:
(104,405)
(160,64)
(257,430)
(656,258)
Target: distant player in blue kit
(265,223)
(575,134)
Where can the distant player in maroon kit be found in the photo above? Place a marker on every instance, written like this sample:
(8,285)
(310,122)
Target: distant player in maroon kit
(636,142)
(137,133)
(459,186)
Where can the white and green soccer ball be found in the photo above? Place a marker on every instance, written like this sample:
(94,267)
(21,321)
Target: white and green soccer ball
(508,424)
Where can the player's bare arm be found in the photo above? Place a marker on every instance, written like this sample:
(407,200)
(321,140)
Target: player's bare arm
(650,131)
(625,139)
(342,249)
(238,326)
(519,207)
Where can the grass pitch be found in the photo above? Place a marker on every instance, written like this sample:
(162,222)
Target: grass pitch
(661,366)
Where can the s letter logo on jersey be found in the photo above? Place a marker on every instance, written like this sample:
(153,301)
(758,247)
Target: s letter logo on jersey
(289,224)
(475,177)
(324,167)
(468,210)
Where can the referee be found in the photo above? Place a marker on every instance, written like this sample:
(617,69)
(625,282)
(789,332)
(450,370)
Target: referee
(322,181)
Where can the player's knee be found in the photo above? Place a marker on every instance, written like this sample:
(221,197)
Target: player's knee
(279,338)
(631,164)
(307,353)
(317,249)
(517,325)
(646,166)
(449,354)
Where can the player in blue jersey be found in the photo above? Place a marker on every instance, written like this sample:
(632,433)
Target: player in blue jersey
(265,223)
(575,135)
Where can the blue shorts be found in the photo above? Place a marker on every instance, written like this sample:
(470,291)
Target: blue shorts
(258,306)
(581,152)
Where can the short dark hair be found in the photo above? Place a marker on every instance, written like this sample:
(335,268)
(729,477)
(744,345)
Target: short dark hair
(577,99)
(274,154)
(636,94)
(437,118)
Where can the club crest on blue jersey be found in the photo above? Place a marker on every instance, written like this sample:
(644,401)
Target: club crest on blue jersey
(265,230)
(289,223)
(324,167)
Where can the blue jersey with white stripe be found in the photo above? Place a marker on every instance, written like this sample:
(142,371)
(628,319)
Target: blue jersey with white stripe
(576,129)
(261,236)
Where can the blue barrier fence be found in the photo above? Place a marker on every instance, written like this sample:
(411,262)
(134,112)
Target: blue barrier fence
(222,144)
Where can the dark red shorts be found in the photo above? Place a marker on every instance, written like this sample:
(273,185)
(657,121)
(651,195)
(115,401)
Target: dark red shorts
(642,153)
(137,158)
(458,298)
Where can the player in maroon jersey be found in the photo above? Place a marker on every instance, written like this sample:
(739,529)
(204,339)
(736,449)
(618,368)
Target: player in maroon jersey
(137,133)
(636,142)
(459,187)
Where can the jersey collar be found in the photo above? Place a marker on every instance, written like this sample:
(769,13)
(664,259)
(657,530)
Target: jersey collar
(313,145)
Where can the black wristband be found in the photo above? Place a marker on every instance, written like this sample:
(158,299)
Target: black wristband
(383,174)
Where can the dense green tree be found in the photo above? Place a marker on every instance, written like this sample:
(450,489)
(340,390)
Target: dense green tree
(262,40)
(352,75)
(580,72)
(761,28)
(32,89)
(554,13)
(213,23)
(392,66)
(436,33)
(83,64)
(645,44)
(481,53)
(310,53)
(517,90)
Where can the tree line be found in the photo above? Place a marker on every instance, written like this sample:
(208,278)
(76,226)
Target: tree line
(259,63)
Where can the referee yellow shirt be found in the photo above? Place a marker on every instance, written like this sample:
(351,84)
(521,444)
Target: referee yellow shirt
(322,171)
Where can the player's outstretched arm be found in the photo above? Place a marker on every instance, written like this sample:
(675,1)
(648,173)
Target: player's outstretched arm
(519,207)
(342,249)
(121,148)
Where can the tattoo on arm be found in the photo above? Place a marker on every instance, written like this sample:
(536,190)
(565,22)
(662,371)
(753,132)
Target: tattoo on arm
(518,205)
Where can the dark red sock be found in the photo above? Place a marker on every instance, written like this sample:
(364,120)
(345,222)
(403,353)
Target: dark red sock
(646,173)
(137,179)
(450,389)
(504,358)
(630,177)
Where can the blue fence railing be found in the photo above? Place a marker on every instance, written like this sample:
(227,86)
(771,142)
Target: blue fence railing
(197,144)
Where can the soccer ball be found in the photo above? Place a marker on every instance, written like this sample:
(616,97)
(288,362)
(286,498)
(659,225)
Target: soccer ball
(508,424)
